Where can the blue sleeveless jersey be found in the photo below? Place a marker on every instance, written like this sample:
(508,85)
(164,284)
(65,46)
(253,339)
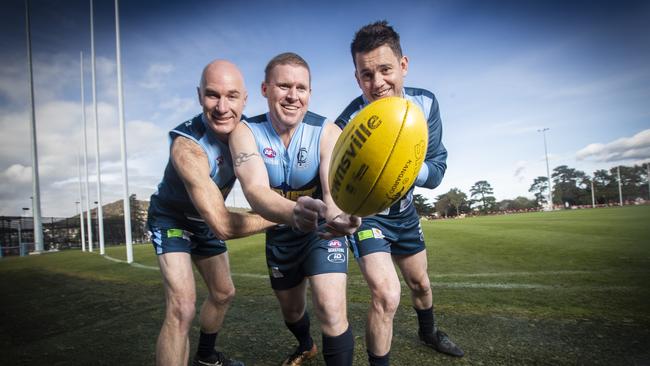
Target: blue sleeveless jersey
(294,170)
(171,196)
(435,161)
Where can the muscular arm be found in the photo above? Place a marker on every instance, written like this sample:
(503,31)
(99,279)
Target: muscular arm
(339,223)
(254,179)
(192,166)
(435,161)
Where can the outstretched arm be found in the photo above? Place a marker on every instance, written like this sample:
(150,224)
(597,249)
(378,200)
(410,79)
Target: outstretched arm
(339,223)
(191,164)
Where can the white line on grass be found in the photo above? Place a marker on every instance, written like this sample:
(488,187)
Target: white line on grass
(504,286)
(510,274)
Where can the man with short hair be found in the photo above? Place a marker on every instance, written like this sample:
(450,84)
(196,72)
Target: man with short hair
(282,161)
(188,220)
(395,235)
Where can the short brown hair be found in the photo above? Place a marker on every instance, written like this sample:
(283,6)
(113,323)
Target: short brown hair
(375,35)
(286,58)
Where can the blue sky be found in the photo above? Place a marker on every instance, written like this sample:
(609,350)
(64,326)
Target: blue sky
(500,69)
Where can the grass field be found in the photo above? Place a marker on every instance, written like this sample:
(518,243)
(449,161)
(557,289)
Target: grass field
(555,288)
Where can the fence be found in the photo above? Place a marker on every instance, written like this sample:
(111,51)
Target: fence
(62,233)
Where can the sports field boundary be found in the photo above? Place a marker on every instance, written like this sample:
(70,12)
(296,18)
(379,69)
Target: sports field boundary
(459,285)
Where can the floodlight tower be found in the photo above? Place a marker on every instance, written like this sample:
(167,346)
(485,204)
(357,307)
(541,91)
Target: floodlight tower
(548,172)
(36,188)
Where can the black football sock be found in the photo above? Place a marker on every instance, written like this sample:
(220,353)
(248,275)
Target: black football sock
(300,330)
(426,320)
(338,351)
(206,344)
(378,360)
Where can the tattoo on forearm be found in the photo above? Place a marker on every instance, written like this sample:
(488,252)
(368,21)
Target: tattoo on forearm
(241,158)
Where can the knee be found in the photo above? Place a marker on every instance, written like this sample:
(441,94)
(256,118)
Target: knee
(222,296)
(332,315)
(181,311)
(292,312)
(421,287)
(386,300)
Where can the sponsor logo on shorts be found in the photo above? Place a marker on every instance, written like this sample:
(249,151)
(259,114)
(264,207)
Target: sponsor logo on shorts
(335,250)
(178,233)
(373,233)
(377,233)
(219,160)
(336,257)
(275,272)
(334,244)
(269,152)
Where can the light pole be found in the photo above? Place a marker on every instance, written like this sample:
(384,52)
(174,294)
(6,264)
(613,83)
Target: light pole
(82,240)
(548,172)
(620,190)
(593,196)
(21,246)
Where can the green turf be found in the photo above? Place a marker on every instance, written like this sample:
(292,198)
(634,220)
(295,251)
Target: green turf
(555,288)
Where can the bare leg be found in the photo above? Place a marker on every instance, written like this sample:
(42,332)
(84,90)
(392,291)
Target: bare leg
(172,348)
(215,271)
(379,272)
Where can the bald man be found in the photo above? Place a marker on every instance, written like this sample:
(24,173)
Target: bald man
(188,220)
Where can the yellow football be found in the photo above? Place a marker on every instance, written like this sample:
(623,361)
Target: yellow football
(378,156)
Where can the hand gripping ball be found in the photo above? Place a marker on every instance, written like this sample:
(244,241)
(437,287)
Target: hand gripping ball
(378,156)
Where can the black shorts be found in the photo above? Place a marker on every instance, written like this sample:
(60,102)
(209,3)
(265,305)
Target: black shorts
(381,234)
(173,233)
(290,264)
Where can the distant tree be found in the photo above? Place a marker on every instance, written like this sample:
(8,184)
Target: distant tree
(605,187)
(570,185)
(483,191)
(519,203)
(633,182)
(540,189)
(451,203)
(422,207)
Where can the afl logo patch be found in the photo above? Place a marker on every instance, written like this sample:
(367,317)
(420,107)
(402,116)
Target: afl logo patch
(268,152)
(334,244)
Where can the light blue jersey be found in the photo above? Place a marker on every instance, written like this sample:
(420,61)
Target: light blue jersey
(294,170)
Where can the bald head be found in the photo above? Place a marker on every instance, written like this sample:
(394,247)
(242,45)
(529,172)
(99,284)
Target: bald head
(220,71)
(222,94)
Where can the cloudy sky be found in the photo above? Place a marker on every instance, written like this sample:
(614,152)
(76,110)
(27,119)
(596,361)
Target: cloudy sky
(501,70)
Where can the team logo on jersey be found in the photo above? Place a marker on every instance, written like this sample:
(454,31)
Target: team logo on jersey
(302,157)
(334,244)
(269,152)
(219,160)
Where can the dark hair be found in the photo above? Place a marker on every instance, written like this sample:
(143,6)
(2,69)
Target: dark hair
(286,58)
(375,35)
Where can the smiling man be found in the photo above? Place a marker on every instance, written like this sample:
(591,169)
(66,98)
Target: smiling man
(188,220)
(395,235)
(282,161)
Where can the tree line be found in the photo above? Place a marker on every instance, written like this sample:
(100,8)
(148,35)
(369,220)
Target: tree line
(571,187)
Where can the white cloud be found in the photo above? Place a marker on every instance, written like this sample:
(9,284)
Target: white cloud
(17,174)
(155,75)
(636,147)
